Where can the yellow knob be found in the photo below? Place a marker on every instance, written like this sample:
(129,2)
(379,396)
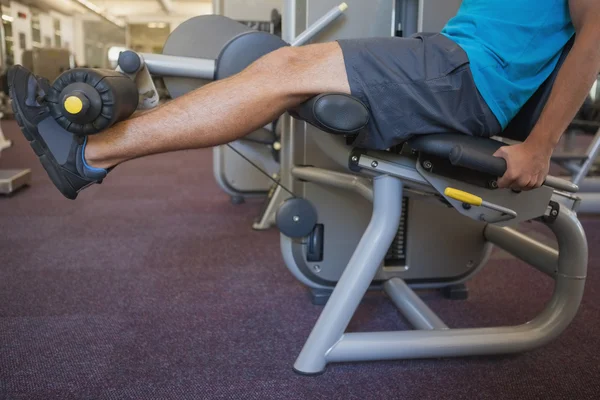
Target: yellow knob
(463,196)
(73,105)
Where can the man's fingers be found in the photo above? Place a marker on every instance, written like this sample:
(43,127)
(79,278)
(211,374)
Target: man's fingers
(508,180)
(501,152)
(540,181)
(521,183)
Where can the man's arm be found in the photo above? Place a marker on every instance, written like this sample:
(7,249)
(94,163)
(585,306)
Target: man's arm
(528,163)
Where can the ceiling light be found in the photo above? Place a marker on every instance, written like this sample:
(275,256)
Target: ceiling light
(100,11)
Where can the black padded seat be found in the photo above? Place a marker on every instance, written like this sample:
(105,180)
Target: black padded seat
(336,113)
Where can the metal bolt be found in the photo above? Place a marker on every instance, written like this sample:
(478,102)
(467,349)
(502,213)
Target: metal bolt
(554,213)
(466,206)
(374,164)
(354,159)
(494,184)
(427,164)
(295,218)
(317,268)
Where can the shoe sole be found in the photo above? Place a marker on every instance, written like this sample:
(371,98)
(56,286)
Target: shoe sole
(40,148)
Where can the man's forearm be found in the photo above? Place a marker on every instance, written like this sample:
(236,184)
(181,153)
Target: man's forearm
(571,87)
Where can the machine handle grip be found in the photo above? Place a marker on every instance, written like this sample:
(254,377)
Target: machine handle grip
(478,161)
(463,197)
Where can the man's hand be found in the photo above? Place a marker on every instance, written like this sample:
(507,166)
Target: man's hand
(527,166)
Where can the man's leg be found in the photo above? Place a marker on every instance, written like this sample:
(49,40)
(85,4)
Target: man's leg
(225,110)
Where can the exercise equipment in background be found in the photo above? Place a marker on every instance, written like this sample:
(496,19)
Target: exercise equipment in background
(11,180)
(48,63)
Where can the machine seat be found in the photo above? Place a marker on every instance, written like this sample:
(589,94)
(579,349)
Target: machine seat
(335,113)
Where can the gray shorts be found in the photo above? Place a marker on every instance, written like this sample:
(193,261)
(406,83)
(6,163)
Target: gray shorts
(417,85)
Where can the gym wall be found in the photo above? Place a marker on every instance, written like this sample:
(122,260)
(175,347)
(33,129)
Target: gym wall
(22,29)
(250,10)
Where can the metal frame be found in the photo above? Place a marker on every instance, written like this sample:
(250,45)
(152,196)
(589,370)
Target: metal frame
(580,165)
(431,338)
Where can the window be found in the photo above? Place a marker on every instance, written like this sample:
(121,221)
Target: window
(8,39)
(57,37)
(36,33)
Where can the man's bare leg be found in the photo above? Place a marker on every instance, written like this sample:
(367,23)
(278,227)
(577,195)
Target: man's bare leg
(225,110)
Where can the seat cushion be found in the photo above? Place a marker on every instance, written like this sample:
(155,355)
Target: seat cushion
(336,113)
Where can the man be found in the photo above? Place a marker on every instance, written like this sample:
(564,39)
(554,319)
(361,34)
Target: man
(472,78)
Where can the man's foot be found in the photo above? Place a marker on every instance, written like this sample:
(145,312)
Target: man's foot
(60,152)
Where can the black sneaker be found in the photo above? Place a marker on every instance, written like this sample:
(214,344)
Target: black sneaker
(60,152)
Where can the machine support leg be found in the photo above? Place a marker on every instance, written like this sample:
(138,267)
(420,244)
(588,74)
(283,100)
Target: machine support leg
(411,306)
(357,276)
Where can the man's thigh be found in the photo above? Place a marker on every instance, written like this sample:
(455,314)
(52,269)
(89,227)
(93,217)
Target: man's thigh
(417,85)
(314,69)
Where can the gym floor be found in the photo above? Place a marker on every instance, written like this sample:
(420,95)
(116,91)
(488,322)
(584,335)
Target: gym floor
(154,286)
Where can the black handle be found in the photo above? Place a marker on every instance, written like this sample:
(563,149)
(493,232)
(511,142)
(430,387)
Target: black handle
(475,160)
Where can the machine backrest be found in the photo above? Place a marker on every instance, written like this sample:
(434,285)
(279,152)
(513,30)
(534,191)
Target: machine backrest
(523,123)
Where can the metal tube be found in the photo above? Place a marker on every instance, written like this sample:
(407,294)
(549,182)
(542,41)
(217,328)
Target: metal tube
(591,154)
(558,314)
(463,342)
(540,256)
(411,306)
(319,25)
(288,21)
(572,244)
(356,278)
(183,67)
(561,184)
(339,180)
(589,185)
(590,203)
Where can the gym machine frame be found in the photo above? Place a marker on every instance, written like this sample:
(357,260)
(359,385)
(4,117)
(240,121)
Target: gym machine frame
(394,176)
(386,178)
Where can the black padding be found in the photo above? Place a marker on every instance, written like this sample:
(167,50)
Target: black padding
(473,158)
(118,96)
(203,36)
(129,61)
(243,50)
(523,123)
(296,218)
(465,151)
(336,113)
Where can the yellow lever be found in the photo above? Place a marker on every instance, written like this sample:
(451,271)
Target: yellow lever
(463,197)
(73,105)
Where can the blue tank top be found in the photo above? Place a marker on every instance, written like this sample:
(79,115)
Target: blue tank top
(512,45)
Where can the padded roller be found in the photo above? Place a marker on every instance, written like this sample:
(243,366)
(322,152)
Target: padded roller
(336,113)
(243,50)
(470,152)
(86,101)
(462,156)
(200,37)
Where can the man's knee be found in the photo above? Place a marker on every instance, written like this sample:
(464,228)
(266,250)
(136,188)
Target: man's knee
(285,59)
(312,68)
